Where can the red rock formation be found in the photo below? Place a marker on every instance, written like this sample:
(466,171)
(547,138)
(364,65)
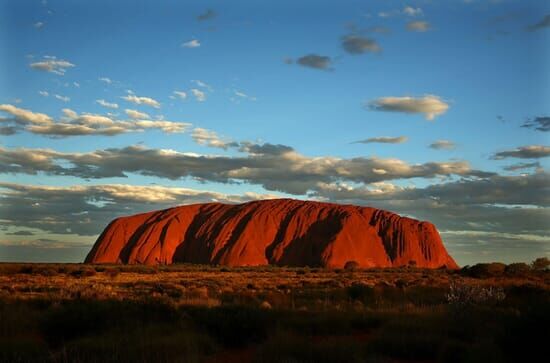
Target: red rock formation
(281,231)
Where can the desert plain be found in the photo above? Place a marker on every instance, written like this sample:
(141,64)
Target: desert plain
(198,313)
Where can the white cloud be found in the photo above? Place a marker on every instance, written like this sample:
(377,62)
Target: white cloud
(142,100)
(525,152)
(73,124)
(243,95)
(52,65)
(275,167)
(443,145)
(431,106)
(385,14)
(86,209)
(136,114)
(26,116)
(106,80)
(211,138)
(191,44)
(418,26)
(69,114)
(383,140)
(62,98)
(407,11)
(107,104)
(199,95)
(202,84)
(43,93)
(169,127)
(180,94)
(410,11)
(38,24)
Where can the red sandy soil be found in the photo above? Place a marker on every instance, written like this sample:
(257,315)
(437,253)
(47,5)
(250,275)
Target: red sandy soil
(280,231)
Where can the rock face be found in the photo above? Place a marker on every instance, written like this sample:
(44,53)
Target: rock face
(280,231)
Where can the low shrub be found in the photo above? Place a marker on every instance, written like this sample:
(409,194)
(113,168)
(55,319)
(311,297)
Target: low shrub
(483,270)
(462,295)
(80,318)
(289,347)
(541,264)
(152,343)
(233,326)
(351,266)
(112,272)
(517,269)
(361,292)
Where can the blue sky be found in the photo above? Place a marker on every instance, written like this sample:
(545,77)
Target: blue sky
(247,79)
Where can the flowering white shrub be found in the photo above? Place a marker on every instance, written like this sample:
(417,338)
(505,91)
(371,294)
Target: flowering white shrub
(464,295)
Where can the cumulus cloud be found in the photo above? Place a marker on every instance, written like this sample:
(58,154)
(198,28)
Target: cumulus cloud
(524,152)
(543,23)
(418,26)
(503,213)
(73,124)
(8,130)
(169,127)
(443,145)
(107,104)
(134,114)
(430,105)
(512,204)
(199,95)
(211,138)
(38,24)
(43,93)
(522,166)
(275,167)
(207,15)
(383,140)
(540,123)
(141,100)
(194,43)
(26,116)
(106,80)
(355,44)
(468,213)
(86,210)
(52,65)
(315,61)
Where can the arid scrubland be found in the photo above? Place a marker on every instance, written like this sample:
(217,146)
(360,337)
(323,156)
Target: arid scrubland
(190,313)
